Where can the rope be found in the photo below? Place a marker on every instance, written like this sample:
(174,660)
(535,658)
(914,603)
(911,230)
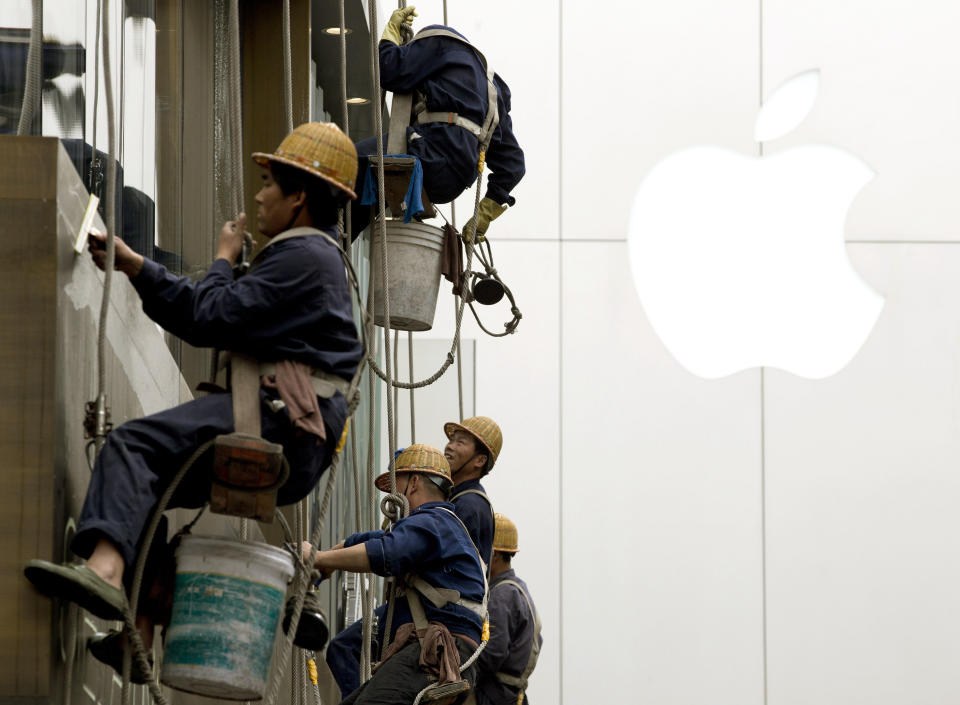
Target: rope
(364,595)
(101,402)
(396,372)
(33,78)
(96,101)
(301,580)
(235,105)
(367,627)
(413,413)
(129,617)
(459,368)
(348,212)
(287,69)
(380,228)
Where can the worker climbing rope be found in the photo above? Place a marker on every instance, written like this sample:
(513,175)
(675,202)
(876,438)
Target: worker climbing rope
(510,656)
(439,618)
(474,446)
(292,312)
(461,112)
(472,450)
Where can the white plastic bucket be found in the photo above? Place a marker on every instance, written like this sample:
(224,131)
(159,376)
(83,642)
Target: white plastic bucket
(227,605)
(415,257)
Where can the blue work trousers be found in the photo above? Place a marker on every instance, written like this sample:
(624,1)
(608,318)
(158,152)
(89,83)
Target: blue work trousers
(445,174)
(343,652)
(140,458)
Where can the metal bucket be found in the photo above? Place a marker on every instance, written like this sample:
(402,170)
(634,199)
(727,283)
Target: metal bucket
(414,259)
(227,605)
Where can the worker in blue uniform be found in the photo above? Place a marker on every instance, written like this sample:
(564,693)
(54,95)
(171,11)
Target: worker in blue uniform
(452,104)
(505,665)
(430,550)
(292,311)
(473,447)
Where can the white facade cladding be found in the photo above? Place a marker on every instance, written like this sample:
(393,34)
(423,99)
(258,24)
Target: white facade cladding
(760,538)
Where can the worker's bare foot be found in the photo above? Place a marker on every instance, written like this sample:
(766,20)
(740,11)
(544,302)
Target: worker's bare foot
(107,563)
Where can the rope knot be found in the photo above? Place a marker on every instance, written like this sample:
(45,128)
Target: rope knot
(394,506)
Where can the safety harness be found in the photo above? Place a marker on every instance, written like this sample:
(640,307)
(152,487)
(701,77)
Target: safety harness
(416,587)
(438,597)
(520,681)
(484,133)
(324,383)
(248,470)
(489,504)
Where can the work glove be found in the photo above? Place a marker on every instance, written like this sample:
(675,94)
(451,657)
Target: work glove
(399,21)
(489,211)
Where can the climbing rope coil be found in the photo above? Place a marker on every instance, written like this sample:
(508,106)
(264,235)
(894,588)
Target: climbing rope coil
(393,505)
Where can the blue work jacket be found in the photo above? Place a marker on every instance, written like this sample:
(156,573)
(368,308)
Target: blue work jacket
(451,78)
(432,544)
(294,304)
(475,512)
(511,639)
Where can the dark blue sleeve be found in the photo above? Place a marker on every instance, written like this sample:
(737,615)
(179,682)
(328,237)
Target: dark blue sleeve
(361,538)
(475,514)
(504,156)
(412,542)
(218,311)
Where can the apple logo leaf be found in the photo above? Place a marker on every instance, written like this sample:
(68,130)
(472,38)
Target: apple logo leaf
(787,106)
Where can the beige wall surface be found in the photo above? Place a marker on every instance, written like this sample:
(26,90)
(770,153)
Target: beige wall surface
(51,304)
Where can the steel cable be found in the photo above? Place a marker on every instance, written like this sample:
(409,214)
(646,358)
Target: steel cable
(33,80)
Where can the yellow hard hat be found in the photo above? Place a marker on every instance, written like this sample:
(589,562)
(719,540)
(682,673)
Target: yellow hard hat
(320,149)
(418,458)
(483,429)
(504,534)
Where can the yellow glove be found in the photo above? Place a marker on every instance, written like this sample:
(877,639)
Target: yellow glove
(393,32)
(489,211)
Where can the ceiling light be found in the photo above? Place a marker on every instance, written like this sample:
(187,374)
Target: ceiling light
(335,31)
(358,101)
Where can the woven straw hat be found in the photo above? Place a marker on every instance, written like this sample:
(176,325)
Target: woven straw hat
(418,458)
(320,149)
(483,429)
(504,535)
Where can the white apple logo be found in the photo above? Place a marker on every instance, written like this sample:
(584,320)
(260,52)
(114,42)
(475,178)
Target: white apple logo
(740,261)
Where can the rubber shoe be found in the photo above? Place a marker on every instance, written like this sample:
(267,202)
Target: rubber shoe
(77,583)
(108,647)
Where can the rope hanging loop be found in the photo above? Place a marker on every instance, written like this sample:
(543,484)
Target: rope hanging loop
(394,507)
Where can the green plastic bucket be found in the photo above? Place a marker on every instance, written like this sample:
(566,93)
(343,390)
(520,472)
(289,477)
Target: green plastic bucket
(227,605)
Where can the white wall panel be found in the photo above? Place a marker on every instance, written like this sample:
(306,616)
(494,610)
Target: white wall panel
(518,386)
(887,94)
(862,491)
(641,81)
(662,577)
